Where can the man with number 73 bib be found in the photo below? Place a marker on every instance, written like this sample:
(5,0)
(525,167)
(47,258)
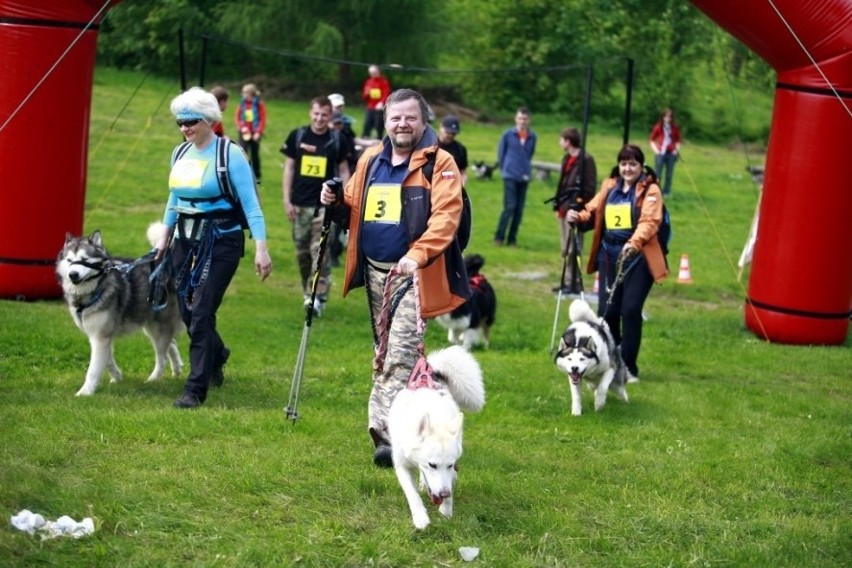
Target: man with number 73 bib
(313,153)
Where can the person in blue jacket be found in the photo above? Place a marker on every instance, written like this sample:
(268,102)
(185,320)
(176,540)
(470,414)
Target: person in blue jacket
(206,235)
(514,158)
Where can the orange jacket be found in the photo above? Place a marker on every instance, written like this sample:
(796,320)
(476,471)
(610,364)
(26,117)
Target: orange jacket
(649,199)
(443,280)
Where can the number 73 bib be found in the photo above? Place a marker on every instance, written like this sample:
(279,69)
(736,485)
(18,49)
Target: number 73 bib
(383,204)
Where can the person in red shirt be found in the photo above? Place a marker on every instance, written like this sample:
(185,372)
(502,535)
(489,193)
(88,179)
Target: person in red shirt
(665,142)
(375,92)
(251,121)
(221,94)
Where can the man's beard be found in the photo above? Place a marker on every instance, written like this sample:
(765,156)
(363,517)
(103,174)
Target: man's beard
(409,143)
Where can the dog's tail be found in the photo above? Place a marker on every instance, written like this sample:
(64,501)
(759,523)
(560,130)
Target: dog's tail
(581,311)
(463,375)
(156,231)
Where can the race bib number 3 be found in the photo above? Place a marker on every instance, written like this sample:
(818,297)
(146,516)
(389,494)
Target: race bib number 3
(383,204)
(313,166)
(618,216)
(187,173)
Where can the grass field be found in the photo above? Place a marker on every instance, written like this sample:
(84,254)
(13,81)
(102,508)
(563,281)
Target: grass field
(732,451)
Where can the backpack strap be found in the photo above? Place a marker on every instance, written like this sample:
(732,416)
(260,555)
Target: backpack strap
(222,155)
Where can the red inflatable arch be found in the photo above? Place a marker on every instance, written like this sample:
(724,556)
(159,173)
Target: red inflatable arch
(43,146)
(800,288)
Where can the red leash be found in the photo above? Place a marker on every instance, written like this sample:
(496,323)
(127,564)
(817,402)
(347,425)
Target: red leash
(422,373)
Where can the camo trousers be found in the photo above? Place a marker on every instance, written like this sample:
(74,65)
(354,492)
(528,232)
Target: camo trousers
(306,236)
(402,348)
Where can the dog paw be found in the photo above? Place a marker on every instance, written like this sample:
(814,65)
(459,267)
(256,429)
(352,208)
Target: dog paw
(85,391)
(421,520)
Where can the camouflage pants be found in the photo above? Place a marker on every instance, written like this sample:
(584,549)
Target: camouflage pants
(401,352)
(306,236)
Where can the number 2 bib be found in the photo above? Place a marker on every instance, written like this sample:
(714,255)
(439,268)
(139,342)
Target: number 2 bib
(383,204)
(618,216)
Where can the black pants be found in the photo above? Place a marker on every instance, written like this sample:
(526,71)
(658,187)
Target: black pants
(252,150)
(206,349)
(374,119)
(624,315)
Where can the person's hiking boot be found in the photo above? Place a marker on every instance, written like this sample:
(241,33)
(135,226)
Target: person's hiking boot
(187,401)
(383,456)
(218,376)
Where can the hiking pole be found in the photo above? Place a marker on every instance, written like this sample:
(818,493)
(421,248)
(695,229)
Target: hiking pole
(559,295)
(335,185)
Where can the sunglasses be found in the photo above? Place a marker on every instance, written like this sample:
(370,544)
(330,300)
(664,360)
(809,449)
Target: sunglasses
(190,122)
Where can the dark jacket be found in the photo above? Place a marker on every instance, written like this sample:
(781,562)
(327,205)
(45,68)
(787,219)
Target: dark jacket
(569,180)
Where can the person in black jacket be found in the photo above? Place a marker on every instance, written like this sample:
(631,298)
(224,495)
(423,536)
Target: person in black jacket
(577,184)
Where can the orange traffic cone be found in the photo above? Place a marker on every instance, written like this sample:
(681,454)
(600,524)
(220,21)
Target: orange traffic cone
(597,287)
(683,275)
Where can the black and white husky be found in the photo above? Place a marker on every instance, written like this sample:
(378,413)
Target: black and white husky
(108,297)
(587,351)
(469,325)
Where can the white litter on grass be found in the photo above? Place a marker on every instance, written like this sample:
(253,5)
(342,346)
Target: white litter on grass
(31,523)
(468,553)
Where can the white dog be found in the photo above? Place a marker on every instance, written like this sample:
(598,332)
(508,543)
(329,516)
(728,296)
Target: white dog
(587,351)
(425,427)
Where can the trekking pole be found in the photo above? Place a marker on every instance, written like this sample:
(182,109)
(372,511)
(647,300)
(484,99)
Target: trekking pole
(336,185)
(559,296)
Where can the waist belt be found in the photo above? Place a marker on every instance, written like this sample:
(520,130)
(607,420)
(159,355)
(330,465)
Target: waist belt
(192,227)
(611,240)
(383,267)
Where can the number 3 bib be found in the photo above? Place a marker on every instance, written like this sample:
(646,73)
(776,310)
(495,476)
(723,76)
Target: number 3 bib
(383,204)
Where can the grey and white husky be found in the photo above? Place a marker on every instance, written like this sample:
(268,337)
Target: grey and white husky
(587,351)
(108,297)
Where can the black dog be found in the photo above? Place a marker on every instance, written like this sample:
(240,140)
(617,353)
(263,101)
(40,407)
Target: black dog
(469,324)
(483,170)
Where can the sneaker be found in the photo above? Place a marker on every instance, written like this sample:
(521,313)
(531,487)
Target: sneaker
(218,377)
(187,401)
(319,307)
(631,378)
(383,456)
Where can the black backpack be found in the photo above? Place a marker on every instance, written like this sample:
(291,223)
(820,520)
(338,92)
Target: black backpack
(225,186)
(466,221)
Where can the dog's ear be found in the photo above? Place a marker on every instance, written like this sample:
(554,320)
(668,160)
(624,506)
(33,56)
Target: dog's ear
(455,426)
(68,238)
(96,238)
(424,427)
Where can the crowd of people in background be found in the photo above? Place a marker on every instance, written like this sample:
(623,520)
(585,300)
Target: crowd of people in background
(396,237)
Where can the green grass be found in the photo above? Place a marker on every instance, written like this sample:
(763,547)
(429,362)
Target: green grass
(732,451)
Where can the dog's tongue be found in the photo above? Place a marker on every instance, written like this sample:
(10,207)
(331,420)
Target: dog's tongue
(436,499)
(575,378)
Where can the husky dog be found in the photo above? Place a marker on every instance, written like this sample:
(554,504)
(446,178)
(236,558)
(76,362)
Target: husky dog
(108,297)
(483,171)
(425,427)
(587,350)
(469,325)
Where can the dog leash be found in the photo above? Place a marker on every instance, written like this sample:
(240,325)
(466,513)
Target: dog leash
(422,373)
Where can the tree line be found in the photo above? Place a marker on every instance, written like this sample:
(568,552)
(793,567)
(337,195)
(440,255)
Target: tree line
(490,55)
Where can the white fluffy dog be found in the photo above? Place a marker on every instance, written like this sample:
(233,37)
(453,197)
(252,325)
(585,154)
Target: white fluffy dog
(425,427)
